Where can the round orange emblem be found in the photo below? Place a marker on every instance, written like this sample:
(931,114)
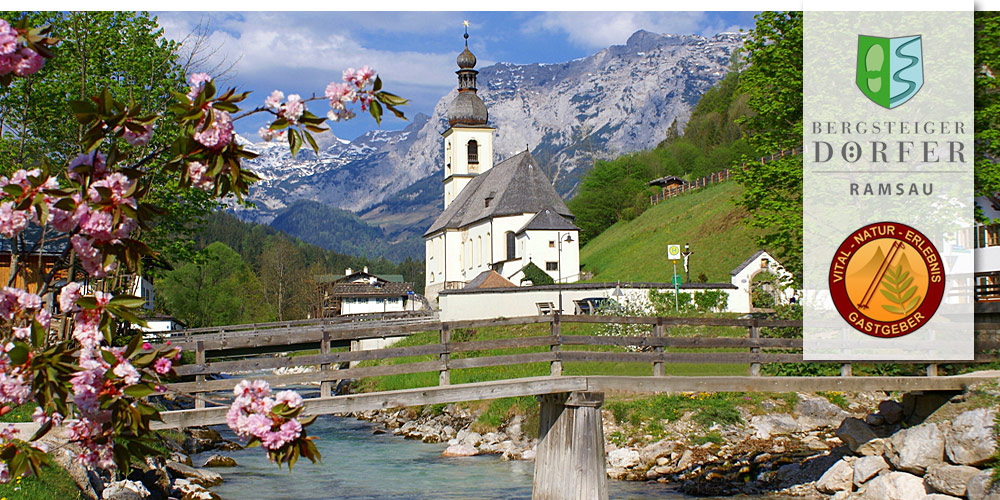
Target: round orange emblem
(887,279)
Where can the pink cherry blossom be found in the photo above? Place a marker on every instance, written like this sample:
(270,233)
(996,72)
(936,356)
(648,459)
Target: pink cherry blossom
(273,101)
(86,328)
(198,172)
(197,84)
(137,139)
(12,221)
(127,372)
(290,398)
(8,38)
(267,134)
(94,159)
(90,257)
(292,110)
(69,295)
(30,62)
(218,134)
(162,366)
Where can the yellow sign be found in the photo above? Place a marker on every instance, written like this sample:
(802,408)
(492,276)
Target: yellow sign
(673,252)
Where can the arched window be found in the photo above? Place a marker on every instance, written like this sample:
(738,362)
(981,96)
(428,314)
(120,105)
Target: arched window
(511,248)
(479,251)
(461,256)
(471,250)
(447,158)
(432,277)
(473,152)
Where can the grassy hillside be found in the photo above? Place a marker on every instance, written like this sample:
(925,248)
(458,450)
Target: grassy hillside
(708,219)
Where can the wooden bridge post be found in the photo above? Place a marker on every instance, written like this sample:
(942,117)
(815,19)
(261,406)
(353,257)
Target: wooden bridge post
(845,369)
(658,333)
(325,386)
(754,334)
(569,463)
(199,359)
(444,376)
(555,330)
(932,370)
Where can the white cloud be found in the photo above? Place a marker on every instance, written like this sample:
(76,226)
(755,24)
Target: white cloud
(268,44)
(594,30)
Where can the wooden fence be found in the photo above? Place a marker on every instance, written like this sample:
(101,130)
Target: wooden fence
(716,177)
(651,349)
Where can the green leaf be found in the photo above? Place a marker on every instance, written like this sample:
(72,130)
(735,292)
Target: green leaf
(129,301)
(138,390)
(294,141)
(19,354)
(892,308)
(311,141)
(376,111)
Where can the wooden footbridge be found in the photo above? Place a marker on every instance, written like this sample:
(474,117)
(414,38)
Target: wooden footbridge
(570,455)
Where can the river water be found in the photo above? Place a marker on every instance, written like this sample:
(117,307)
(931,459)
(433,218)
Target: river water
(360,465)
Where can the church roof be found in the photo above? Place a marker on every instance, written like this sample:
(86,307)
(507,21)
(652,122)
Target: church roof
(489,279)
(547,220)
(513,187)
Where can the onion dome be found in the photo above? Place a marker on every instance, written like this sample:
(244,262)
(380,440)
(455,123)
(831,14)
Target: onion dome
(467,108)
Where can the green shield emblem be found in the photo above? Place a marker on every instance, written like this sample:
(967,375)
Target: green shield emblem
(890,70)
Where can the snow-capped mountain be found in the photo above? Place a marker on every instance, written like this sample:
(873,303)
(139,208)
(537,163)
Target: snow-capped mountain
(570,114)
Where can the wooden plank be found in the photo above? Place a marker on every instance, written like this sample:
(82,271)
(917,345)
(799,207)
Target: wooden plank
(487,323)
(254,364)
(778,384)
(510,359)
(511,343)
(305,378)
(755,335)
(555,337)
(444,376)
(681,342)
(393,399)
(679,357)
(658,370)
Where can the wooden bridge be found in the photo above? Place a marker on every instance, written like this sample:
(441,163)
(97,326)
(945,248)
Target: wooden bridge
(570,455)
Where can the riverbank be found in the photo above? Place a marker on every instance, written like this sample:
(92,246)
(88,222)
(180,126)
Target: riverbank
(807,445)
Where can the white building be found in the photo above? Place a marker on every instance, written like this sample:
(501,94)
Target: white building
(360,292)
(496,217)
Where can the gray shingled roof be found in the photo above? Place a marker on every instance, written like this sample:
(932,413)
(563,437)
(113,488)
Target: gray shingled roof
(746,263)
(547,220)
(517,186)
(55,243)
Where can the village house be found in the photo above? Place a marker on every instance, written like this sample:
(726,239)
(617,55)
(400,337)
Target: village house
(360,292)
(496,217)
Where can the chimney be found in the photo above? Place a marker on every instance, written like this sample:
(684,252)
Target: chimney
(348,272)
(366,269)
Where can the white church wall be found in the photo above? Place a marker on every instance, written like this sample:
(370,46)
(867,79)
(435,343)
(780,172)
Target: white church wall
(542,248)
(743,279)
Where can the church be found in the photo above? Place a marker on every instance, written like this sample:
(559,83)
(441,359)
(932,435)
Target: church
(496,217)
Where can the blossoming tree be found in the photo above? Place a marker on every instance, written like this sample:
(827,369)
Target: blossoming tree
(96,203)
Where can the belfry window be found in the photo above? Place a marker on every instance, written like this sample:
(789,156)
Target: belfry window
(510,245)
(473,152)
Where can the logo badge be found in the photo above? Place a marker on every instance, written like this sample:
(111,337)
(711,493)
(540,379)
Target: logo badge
(890,70)
(887,279)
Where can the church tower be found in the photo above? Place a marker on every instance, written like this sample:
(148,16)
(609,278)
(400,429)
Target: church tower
(468,142)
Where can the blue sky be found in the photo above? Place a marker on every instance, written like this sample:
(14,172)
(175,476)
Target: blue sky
(414,52)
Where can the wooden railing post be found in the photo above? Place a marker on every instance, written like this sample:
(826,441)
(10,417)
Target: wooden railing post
(199,359)
(932,370)
(444,376)
(754,334)
(325,386)
(658,333)
(845,370)
(555,367)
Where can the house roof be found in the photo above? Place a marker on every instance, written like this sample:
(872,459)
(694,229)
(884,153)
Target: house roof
(516,185)
(331,278)
(53,245)
(670,179)
(489,279)
(548,220)
(366,290)
(753,258)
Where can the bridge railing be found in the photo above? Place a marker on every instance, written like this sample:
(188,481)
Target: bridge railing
(656,349)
